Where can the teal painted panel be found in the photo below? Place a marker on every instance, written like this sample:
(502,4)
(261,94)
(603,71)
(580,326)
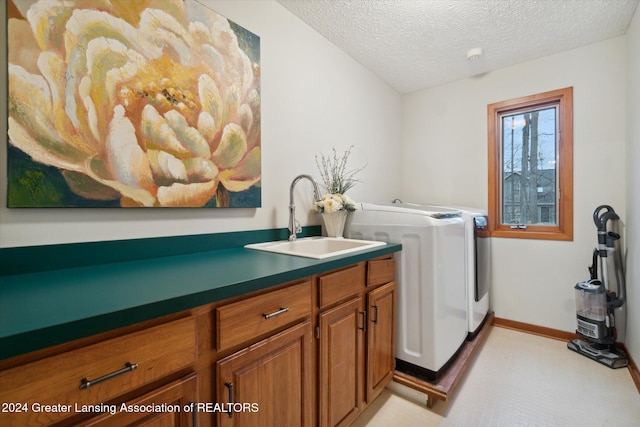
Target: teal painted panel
(33,259)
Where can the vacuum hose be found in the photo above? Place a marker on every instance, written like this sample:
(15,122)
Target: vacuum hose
(607,242)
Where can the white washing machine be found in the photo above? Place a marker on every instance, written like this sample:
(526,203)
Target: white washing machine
(430,273)
(478,264)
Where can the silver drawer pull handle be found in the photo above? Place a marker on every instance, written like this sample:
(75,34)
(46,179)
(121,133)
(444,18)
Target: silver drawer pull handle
(275,313)
(85,383)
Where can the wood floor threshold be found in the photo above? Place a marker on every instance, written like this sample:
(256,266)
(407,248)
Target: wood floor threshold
(446,385)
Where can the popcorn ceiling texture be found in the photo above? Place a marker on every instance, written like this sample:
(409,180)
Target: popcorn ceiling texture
(417,44)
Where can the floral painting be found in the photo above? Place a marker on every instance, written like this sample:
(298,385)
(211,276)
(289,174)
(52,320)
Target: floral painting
(120,103)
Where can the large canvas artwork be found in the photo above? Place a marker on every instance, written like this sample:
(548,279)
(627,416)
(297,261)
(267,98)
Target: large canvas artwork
(121,103)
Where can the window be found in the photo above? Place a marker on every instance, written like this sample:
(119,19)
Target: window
(531,166)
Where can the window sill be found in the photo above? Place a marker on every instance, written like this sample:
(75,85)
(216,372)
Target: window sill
(533,234)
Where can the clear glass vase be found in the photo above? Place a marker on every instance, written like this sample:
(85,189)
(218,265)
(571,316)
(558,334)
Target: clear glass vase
(334,222)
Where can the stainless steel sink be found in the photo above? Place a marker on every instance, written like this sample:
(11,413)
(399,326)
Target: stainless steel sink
(316,247)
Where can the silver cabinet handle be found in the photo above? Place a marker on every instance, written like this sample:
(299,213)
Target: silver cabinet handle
(275,313)
(85,383)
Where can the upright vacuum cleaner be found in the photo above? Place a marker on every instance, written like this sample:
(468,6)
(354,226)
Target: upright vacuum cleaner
(596,300)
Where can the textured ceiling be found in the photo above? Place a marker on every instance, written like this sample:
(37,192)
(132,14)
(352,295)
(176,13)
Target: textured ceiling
(416,44)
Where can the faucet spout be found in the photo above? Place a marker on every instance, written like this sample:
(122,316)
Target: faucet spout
(294,226)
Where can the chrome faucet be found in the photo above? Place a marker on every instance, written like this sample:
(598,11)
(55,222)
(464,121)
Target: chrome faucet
(294,225)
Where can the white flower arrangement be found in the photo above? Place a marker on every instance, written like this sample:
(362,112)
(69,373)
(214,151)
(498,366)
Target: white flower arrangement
(337,181)
(334,203)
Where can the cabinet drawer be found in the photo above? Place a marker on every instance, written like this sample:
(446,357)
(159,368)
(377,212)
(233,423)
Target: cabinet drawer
(245,320)
(380,271)
(340,285)
(60,381)
(175,396)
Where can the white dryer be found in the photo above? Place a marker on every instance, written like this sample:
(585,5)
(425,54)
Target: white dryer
(430,273)
(478,265)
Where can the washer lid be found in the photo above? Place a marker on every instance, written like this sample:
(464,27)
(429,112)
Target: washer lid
(410,208)
(466,211)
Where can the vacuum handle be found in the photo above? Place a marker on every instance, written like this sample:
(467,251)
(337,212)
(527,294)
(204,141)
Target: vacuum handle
(601,219)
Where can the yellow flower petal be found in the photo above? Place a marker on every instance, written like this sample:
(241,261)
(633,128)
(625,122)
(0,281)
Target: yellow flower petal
(43,150)
(245,175)
(206,126)
(30,122)
(110,63)
(162,29)
(159,134)
(200,170)
(82,27)
(30,91)
(232,148)
(166,168)
(188,136)
(187,195)
(127,162)
(47,21)
(210,99)
(245,117)
(130,196)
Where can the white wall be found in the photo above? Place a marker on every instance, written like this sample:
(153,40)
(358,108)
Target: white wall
(633,188)
(445,162)
(314,96)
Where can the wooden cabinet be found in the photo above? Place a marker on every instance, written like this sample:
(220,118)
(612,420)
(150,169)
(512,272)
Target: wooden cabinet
(381,352)
(381,335)
(58,387)
(381,271)
(269,383)
(167,406)
(340,364)
(356,356)
(312,352)
(340,285)
(250,318)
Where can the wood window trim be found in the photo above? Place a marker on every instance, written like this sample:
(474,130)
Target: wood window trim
(564,229)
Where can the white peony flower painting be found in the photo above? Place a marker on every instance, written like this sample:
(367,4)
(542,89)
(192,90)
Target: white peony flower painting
(121,103)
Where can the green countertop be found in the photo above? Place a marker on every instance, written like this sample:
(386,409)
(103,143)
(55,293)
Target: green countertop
(46,308)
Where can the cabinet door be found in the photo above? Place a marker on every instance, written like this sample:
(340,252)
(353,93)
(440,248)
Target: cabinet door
(166,406)
(269,383)
(381,359)
(341,363)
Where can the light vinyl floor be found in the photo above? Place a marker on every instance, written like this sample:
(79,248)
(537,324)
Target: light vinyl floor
(519,379)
